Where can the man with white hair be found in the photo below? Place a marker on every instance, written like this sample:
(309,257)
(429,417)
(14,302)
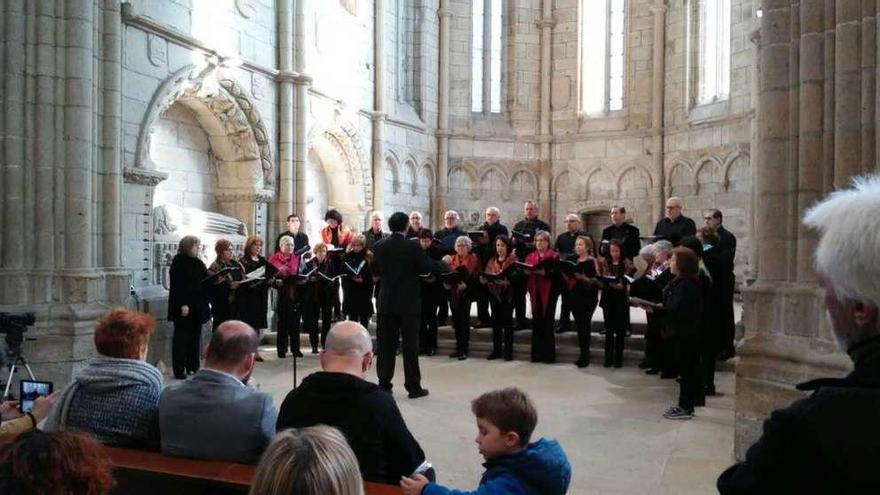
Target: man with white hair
(828,443)
(674,226)
(415,224)
(374,234)
(340,396)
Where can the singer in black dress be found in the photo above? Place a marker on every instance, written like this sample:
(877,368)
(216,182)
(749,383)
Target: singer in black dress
(224,288)
(187,306)
(583,287)
(357,284)
(615,303)
(253,297)
(500,298)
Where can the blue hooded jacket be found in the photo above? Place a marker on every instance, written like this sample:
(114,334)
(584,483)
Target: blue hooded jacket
(542,468)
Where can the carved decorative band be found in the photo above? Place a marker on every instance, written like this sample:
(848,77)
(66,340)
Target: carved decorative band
(143,176)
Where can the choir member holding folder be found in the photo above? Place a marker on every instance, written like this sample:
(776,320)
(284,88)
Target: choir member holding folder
(318,303)
(283,270)
(227,272)
(461,283)
(616,276)
(431,294)
(583,289)
(187,306)
(253,292)
(357,285)
(543,291)
(496,278)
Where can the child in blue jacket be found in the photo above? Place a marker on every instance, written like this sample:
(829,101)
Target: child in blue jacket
(505,422)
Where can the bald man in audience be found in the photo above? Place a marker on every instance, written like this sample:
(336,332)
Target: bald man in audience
(340,396)
(218,414)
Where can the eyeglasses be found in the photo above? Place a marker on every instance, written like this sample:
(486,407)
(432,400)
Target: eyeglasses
(709,217)
(673,207)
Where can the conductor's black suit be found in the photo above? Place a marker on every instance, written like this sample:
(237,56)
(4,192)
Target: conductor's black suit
(399,261)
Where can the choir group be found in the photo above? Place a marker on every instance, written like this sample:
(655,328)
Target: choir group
(685,285)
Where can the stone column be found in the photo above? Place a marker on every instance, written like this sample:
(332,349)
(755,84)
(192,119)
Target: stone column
(13,136)
(111,131)
(45,138)
(286,193)
(545,165)
(439,201)
(379,105)
(816,130)
(658,98)
(300,138)
(79,133)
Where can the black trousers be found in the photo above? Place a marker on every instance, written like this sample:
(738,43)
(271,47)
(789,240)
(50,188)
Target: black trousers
(461,321)
(391,328)
(689,368)
(584,305)
(442,307)
(566,309)
(654,341)
(708,352)
(316,308)
(543,334)
(669,363)
(185,345)
(519,293)
(502,327)
(481,296)
(428,320)
(616,326)
(288,326)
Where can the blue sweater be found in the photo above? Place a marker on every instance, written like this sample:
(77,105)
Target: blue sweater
(540,469)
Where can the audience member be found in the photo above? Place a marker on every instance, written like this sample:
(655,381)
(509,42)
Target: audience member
(505,422)
(60,463)
(217,415)
(339,396)
(115,397)
(15,422)
(827,443)
(309,461)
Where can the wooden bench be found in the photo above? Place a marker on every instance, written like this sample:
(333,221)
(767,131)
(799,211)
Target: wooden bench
(139,472)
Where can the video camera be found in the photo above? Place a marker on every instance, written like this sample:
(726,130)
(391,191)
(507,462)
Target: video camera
(14,325)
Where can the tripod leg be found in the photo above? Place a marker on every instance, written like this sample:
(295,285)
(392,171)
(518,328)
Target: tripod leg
(9,380)
(30,371)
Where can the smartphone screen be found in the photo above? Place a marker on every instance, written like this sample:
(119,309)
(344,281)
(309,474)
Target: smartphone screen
(30,390)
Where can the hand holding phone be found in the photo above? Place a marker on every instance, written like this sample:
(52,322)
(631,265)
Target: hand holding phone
(30,390)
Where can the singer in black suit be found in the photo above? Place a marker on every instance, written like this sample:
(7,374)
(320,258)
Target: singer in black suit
(398,262)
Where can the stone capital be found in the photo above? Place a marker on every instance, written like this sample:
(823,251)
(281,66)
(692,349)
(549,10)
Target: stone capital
(660,7)
(143,176)
(302,79)
(444,13)
(286,76)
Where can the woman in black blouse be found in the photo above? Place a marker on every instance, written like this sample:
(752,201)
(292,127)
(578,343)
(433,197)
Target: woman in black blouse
(253,298)
(187,306)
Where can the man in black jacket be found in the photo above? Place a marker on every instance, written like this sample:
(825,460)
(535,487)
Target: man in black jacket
(827,443)
(674,226)
(626,233)
(398,262)
(300,239)
(374,234)
(339,396)
(725,284)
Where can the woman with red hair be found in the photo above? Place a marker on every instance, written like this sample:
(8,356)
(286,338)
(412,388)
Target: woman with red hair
(116,396)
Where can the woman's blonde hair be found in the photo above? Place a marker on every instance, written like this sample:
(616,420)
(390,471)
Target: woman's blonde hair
(249,243)
(308,461)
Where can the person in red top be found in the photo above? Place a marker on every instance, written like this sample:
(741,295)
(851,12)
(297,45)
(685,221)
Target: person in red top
(543,292)
(500,298)
(279,269)
(461,294)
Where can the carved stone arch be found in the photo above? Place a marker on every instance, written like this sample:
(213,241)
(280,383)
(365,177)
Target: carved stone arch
(345,137)
(702,163)
(409,165)
(427,169)
(729,161)
(592,173)
(677,165)
(234,126)
(533,178)
(649,180)
(392,161)
(494,168)
(470,171)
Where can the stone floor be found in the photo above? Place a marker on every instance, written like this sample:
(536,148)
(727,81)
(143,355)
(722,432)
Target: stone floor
(609,422)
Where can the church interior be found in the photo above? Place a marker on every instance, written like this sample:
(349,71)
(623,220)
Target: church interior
(129,124)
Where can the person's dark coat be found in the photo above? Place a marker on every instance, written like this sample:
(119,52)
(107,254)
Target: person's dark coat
(399,261)
(253,298)
(447,238)
(358,298)
(675,231)
(565,242)
(726,245)
(682,307)
(522,247)
(486,251)
(300,240)
(365,414)
(186,289)
(371,238)
(542,468)
(628,235)
(826,443)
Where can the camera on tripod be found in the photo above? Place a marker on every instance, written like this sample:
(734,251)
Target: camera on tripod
(14,325)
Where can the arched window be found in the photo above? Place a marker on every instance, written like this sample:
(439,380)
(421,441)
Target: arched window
(487,51)
(408,37)
(602,55)
(711,52)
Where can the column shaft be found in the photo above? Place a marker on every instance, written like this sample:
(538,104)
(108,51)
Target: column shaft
(379,104)
(545,165)
(300,138)
(439,203)
(111,130)
(286,193)
(658,98)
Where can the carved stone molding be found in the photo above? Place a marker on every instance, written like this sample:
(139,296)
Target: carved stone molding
(245,8)
(143,176)
(262,196)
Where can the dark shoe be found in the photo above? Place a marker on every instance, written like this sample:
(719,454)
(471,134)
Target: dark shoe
(508,357)
(386,387)
(606,364)
(297,353)
(258,358)
(431,352)
(726,354)
(494,355)
(700,402)
(282,355)
(711,392)
(644,365)
(314,349)
(563,327)
(418,393)
(676,412)
(462,356)
(455,355)
(653,371)
(618,365)
(180,376)
(582,362)
(668,376)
